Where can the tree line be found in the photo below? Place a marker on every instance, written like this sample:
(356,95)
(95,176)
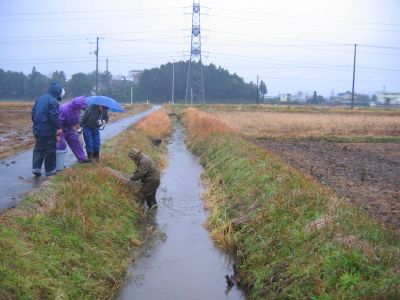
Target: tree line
(152,84)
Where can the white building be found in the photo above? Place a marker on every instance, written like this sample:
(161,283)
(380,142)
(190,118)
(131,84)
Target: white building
(383,97)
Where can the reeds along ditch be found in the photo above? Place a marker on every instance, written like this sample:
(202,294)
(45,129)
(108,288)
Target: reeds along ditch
(75,236)
(292,237)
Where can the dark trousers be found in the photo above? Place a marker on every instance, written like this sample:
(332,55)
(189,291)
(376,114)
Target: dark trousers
(44,150)
(149,190)
(92,139)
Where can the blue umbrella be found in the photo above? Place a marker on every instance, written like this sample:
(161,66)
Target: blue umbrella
(107,102)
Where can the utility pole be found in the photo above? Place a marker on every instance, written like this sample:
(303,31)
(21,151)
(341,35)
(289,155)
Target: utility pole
(257,89)
(107,65)
(97,66)
(131,94)
(354,76)
(173,81)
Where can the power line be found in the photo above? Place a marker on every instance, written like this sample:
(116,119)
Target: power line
(305,65)
(303,24)
(87,11)
(89,18)
(308,18)
(90,34)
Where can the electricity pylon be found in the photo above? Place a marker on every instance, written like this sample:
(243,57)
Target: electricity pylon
(195,78)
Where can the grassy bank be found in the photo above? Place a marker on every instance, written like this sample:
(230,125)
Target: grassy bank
(74,237)
(292,237)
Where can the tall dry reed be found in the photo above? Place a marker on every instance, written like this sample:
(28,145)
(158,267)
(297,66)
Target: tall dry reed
(155,125)
(200,124)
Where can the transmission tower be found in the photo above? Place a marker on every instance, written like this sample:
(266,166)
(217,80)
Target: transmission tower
(195,78)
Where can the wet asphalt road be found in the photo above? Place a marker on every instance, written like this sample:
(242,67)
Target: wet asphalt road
(16,176)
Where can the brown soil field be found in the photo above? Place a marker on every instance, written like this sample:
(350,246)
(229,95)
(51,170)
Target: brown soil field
(16,125)
(368,174)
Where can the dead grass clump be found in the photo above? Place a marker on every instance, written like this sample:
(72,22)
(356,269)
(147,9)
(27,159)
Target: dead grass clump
(157,124)
(319,224)
(354,243)
(200,124)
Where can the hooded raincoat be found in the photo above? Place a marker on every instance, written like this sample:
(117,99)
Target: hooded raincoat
(69,118)
(147,173)
(45,113)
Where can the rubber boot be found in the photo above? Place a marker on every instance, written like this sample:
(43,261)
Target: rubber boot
(90,156)
(151,202)
(96,155)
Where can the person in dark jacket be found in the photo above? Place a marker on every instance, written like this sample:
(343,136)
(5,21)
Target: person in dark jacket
(148,174)
(46,127)
(91,120)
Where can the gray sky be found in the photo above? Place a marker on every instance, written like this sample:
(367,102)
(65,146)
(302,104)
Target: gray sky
(293,45)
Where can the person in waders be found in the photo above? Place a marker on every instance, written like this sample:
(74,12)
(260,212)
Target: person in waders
(148,174)
(92,119)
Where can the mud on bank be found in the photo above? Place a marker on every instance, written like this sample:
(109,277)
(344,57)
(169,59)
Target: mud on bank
(366,173)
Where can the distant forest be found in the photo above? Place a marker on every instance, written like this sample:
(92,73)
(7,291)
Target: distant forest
(154,85)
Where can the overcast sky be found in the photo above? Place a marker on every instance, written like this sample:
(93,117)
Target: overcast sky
(293,45)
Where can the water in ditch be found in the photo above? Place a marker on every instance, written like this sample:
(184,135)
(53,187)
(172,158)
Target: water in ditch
(181,262)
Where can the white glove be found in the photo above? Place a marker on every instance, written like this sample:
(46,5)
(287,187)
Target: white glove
(101,122)
(79,130)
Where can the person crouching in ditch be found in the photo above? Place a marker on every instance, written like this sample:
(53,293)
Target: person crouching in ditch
(148,174)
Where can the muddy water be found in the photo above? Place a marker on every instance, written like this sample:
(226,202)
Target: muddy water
(182,262)
(16,172)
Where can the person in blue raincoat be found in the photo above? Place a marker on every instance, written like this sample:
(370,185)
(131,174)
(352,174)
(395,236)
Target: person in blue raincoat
(46,127)
(91,120)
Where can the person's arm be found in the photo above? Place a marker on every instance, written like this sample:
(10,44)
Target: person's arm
(105,116)
(33,111)
(83,118)
(140,172)
(53,114)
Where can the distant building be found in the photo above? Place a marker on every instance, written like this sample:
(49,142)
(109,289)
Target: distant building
(343,97)
(284,97)
(383,97)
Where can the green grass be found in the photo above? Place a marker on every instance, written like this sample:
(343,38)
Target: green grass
(74,238)
(262,211)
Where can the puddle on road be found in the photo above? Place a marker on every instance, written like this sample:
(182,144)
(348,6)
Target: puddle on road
(182,262)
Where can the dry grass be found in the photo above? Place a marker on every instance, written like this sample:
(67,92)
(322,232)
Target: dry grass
(200,124)
(292,238)
(16,105)
(273,124)
(160,125)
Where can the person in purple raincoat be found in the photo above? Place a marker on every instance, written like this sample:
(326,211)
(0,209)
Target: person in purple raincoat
(69,119)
